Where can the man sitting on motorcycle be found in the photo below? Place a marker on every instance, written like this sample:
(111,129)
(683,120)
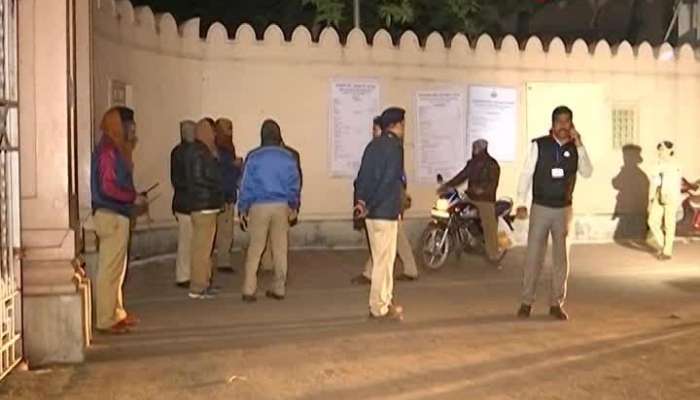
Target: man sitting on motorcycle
(482,173)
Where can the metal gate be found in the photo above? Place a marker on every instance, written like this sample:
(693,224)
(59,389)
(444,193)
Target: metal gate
(10,289)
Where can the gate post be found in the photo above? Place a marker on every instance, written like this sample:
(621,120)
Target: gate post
(54,318)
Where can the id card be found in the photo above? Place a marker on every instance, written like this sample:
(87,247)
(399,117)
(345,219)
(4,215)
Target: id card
(557,173)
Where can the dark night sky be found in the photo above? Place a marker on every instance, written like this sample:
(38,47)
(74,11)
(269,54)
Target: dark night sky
(617,21)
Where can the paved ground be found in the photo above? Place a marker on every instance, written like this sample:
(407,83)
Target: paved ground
(634,334)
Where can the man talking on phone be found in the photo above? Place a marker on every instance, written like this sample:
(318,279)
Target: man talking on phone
(550,171)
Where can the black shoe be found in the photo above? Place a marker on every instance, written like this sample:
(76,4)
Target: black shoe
(213,290)
(361,280)
(406,278)
(663,257)
(272,295)
(524,311)
(226,270)
(558,313)
(183,285)
(249,298)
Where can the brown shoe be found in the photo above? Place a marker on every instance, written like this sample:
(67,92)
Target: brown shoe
(558,313)
(120,328)
(395,313)
(131,320)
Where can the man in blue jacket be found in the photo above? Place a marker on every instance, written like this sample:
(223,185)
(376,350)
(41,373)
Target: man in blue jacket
(378,192)
(268,200)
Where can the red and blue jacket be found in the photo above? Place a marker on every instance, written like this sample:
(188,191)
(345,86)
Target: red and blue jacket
(111,179)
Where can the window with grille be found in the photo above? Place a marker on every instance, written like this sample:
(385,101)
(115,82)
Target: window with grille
(624,126)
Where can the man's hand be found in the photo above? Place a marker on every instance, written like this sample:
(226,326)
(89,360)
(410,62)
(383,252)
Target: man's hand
(575,136)
(408,201)
(141,200)
(521,213)
(360,210)
(244,222)
(293,215)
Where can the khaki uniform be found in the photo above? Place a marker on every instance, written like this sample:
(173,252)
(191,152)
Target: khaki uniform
(405,253)
(184,246)
(382,241)
(224,236)
(267,220)
(113,232)
(203,232)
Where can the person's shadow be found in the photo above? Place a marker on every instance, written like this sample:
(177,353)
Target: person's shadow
(631,209)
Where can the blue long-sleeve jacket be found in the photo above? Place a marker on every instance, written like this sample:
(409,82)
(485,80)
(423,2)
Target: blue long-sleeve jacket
(270,175)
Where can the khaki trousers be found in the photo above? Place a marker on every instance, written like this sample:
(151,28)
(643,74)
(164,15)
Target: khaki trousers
(184,245)
(113,232)
(382,241)
(224,236)
(662,225)
(267,220)
(266,262)
(203,232)
(543,222)
(489,223)
(405,253)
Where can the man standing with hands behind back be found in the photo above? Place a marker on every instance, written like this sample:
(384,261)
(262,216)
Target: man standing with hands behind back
(378,189)
(550,170)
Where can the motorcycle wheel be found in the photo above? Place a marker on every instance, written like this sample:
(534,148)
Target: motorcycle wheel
(433,255)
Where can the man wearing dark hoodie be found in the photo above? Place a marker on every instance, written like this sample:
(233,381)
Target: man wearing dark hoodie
(181,208)
(231,166)
(114,202)
(483,173)
(268,202)
(203,174)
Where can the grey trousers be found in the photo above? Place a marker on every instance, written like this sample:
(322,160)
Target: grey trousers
(543,222)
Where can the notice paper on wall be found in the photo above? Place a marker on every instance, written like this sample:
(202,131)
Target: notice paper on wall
(493,115)
(354,104)
(441,133)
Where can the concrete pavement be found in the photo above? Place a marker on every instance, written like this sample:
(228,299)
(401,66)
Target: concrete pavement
(634,334)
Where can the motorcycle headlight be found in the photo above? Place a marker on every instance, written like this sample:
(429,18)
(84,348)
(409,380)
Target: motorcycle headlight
(440,209)
(442,205)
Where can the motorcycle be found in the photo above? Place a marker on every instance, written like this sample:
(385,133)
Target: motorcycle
(456,227)
(689,215)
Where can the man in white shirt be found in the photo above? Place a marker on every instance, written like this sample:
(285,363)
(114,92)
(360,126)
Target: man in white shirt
(550,171)
(665,198)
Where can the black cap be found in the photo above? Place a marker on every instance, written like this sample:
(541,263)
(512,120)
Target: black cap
(392,115)
(377,121)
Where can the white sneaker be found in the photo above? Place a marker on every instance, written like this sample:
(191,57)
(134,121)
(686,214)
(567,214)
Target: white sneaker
(203,295)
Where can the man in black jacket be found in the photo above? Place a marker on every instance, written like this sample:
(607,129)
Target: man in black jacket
(203,175)
(549,175)
(483,173)
(180,203)
(378,191)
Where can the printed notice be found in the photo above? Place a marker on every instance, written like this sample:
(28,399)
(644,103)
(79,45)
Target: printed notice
(441,136)
(354,104)
(493,115)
